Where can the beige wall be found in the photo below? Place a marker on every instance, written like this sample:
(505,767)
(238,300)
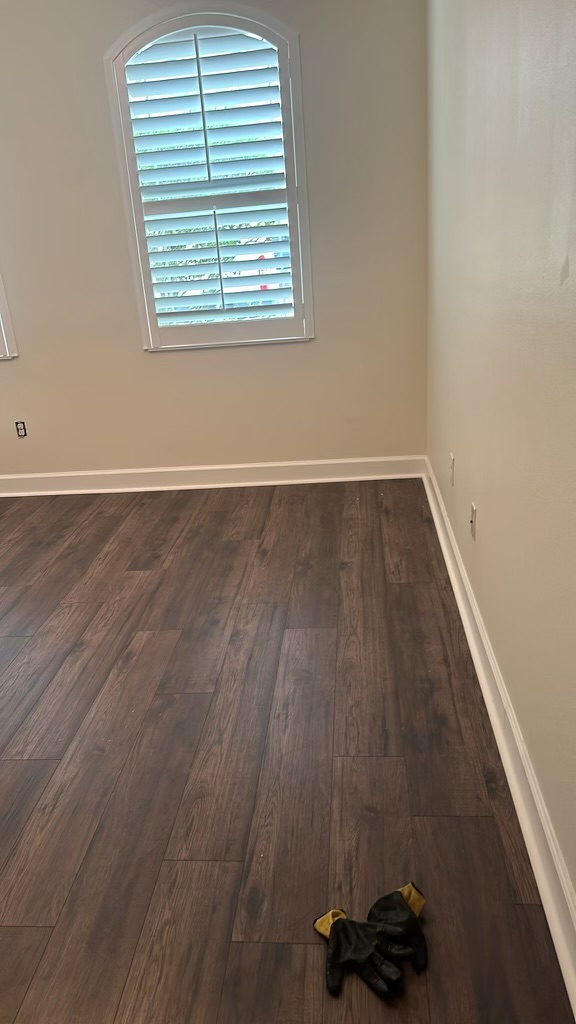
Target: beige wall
(502,357)
(90,395)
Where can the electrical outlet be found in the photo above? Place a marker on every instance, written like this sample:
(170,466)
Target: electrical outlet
(21,428)
(473,513)
(451,470)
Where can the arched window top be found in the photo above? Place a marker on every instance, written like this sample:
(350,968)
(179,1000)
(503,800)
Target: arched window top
(208,107)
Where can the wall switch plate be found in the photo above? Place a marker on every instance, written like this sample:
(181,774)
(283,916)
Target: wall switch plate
(451,469)
(473,512)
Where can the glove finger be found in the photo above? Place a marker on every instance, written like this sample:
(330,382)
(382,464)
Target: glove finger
(334,977)
(373,980)
(390,972)
(420,957)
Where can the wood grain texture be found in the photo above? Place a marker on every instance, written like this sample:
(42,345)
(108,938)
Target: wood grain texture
(55,719)
(248,512)
(30,672)
(213,821)
(20,952)
(445,774)
(412,552)
(273,984)
(31,551)
(100,579)
(176,511)
(286,870)
(30,609)
(345,747)
(43,865)
(275,561)
(198,657)
(21,785)
(548,988)
(479,972)
(178,968)
(479,737)
(367,718)
(314,596)
(371,854)
(10,646)
(187,567)
(83,973)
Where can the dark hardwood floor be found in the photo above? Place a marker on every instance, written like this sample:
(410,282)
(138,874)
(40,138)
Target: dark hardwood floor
(222,713)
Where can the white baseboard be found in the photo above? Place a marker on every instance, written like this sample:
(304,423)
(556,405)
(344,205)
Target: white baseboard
(552,877)
(185,477)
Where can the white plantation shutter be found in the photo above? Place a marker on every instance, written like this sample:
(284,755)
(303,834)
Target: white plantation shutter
(219,217)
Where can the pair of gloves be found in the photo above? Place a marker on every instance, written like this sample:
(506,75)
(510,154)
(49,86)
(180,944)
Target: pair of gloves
(374,949)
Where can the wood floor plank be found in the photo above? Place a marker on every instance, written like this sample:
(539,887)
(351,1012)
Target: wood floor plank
(198,656)
(314,596)
(40,536)
(40,872)
(213,820)
(248,514)
(21,785)
(367,718)
(272,984)
(177,973)
(21,950)
(101,575)
(479,736)
(548,989)
(286,869)
(479,972)
(55,719)
(371,854)
(187,566)
(86,964)
(30,672)
(445,774)
(153,548)
(412,552)
(10,646)
(275,561)
(29,611)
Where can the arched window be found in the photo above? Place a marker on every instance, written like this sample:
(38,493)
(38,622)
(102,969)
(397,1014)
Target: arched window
(212,134)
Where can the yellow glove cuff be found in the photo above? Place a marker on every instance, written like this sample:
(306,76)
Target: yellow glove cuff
(323,924)
(413,897)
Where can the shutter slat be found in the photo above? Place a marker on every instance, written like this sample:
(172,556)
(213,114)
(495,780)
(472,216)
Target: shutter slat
(236,133)
(248,115)
(230,64)
(237,42)
(171,89)
(263,263)
(257,297)
(237,80)
(245,281)
(241,168)
(171,49)
(166,123)
(186,156)
(253,215)
(174,225)
(261,148)
(212,300)
(177,105)
(253,313)
(163,176)
(167,141)
(187,190)
(165,69)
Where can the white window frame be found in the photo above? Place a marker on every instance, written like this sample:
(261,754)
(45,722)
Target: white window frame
(8,348)
(300,327)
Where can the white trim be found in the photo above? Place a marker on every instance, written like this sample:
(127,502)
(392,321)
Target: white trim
(554,883)
(300,326)
(8,348)
(252,474)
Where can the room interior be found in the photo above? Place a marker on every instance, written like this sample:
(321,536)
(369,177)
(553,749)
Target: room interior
(439,387)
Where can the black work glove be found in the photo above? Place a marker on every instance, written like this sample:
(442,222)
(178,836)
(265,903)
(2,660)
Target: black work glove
(401,909)
(362,947)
